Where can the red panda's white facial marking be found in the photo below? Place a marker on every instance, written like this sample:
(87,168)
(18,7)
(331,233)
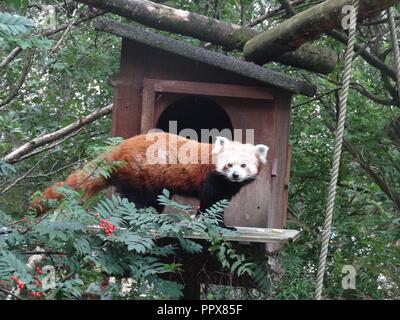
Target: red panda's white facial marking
(238,161)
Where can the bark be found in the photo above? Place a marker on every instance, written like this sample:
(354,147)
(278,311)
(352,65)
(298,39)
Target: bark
(162,17)
(305,26)
(230,36)
(28,147)
(309,57)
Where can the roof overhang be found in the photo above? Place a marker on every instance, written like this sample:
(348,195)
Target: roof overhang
(217,60)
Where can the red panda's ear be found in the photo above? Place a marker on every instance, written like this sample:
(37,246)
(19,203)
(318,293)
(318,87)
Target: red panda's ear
(220,143)
(262,152)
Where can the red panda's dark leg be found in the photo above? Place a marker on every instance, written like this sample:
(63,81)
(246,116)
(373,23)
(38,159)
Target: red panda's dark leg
(216,188)
(211,193)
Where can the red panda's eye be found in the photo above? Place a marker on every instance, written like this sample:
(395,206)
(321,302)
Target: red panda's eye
(243,165)
(229,165)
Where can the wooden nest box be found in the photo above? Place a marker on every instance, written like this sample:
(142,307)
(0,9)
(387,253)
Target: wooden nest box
(163,80)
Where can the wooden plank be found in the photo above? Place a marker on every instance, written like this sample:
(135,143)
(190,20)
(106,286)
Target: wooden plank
(282,124)
(128,87)
(242,234)
(278,212)
(148,107)
(287,180)
(211,89)
(259,235)
(288,164)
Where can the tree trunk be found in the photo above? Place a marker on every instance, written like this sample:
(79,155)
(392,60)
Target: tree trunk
(228,35)
(305,26)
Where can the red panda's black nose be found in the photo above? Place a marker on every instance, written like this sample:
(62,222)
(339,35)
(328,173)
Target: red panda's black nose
(235,176)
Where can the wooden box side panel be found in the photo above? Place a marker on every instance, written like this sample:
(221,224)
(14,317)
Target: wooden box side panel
(277,218)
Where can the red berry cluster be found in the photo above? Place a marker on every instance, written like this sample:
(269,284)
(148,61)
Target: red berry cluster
(107,226)
(20,284)
(36,294)
(37,283)
(38,270)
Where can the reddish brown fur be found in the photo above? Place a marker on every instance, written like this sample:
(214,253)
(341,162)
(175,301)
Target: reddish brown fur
(137,172)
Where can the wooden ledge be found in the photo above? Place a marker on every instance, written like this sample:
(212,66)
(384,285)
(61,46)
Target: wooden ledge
(260,235)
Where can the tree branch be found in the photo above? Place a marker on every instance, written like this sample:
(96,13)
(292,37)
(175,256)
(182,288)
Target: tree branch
(317,97)
(271,13)
(53,172)
(288,7)
(48,147)
(305,26)
(359,88)
(14,91)
(373,173)
(363,91)
(10,293)
(364,53)
(13,184)
(11,56)
(75,17)
(367,167)
(28,147)
(230,36)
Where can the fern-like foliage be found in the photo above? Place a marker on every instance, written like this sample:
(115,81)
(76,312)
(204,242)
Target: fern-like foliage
(14,24)
(261,275)
(9,263)
(16,4)
(116,238)
(100,167)
(6,169)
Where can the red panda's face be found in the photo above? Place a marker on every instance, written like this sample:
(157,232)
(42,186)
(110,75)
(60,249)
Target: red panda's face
(237,161)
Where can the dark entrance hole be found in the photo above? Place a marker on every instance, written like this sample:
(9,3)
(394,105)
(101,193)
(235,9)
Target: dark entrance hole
(196,113)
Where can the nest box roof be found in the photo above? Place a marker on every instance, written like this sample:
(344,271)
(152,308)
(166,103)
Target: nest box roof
(217,60)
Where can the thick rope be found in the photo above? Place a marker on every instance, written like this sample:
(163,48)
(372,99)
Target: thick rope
(326,234)
(395,46)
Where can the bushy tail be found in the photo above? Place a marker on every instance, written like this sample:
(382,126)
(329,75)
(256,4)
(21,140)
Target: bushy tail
(80,180)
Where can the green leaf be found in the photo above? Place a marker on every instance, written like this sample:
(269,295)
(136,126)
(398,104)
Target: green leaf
(14,24)
(83,246)
(10,265)
(6,168)
(190,246)
(17,4)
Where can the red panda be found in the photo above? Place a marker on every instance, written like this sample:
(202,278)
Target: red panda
(156,161)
